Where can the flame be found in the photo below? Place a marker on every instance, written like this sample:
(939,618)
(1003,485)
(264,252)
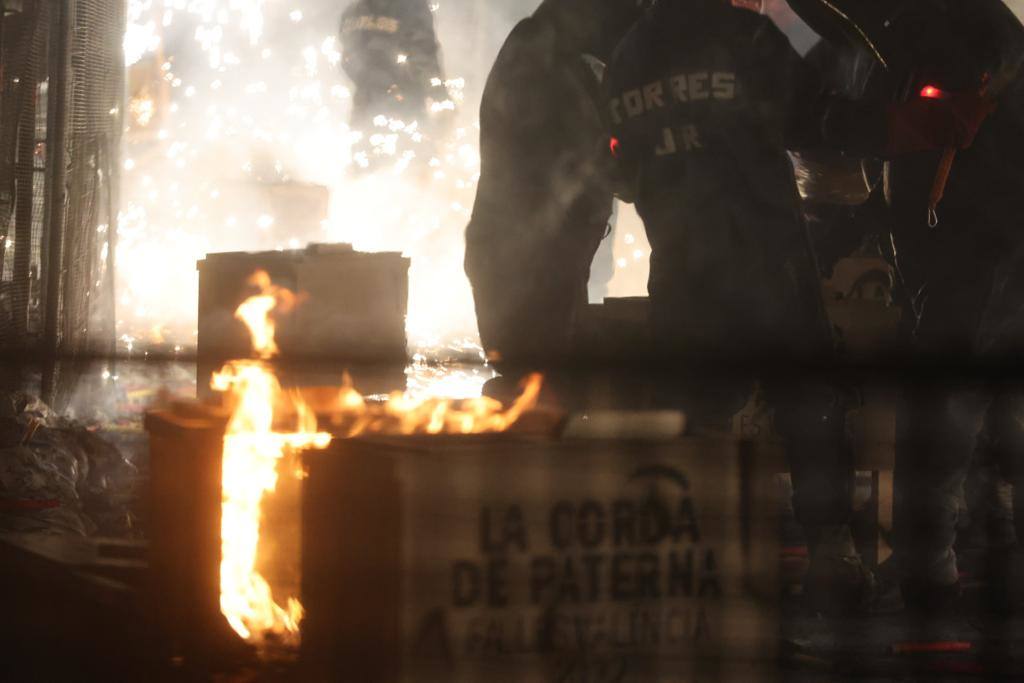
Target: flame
(255,313)
(351,415)
(254,448)
(252,451)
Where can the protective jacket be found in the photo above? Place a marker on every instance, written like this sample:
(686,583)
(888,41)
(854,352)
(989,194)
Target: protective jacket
(704,100)
(391,53)
(544,198)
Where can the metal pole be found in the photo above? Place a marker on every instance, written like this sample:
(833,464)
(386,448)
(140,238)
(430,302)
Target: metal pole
(4,92)
(113,157)
(56,192)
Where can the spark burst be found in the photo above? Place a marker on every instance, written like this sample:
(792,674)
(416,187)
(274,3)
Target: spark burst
(230,100)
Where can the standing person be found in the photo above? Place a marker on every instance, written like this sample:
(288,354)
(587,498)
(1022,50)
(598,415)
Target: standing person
(544,197)
(959,269)
(391,53)
(705,98)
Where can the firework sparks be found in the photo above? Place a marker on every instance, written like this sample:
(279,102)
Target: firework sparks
(245,108)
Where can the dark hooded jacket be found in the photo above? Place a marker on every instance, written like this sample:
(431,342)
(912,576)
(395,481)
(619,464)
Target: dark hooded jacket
(544,198)
(704,99)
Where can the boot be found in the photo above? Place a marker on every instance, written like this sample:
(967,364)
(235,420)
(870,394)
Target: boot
(837,581)
(931,587)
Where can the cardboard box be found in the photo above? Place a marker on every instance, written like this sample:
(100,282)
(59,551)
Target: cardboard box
(505,558)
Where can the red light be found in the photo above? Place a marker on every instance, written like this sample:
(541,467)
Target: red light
(930,92)
(613,145)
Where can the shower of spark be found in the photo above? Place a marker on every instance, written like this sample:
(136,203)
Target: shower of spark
(228,96)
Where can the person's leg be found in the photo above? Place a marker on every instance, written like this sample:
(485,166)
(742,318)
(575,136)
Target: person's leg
(810,416)
(989,501)
(936,436)
(1005,432)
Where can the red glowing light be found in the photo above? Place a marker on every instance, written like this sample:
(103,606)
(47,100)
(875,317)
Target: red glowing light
(613,145)
(930,92)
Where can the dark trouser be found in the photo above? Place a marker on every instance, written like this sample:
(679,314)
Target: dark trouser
(936,435)
(939,426)
(528,296)
(810,416)
(767,321)
(993,510)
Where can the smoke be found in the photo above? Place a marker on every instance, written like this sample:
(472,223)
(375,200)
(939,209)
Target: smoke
(238,116)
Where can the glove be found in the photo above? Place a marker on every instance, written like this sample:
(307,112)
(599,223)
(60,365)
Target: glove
(924,124)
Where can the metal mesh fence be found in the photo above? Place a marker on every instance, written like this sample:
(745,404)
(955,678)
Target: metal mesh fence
(94,125)
(22,173)
(60,122)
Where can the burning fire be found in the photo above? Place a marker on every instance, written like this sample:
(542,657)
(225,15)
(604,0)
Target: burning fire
(254,446)
(351,415)
(252,450)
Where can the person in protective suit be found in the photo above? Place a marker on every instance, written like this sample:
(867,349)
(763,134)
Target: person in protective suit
(705,98)
(957,261)
(391,54)
(544,198)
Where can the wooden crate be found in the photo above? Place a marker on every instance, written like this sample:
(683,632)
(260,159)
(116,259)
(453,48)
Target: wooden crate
(354,303)
(186,443)
(503,558)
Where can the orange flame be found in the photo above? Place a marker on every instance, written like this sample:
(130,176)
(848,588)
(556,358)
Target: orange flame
(253,450)
(255,313)
(351,415)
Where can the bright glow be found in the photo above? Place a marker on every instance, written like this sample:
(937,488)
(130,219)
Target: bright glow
(260,122)
(252,451)
(254,447)
(930,92)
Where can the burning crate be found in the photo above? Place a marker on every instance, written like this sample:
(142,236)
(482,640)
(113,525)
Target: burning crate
(460,550)
(500,557)
(185,524)
(354,304)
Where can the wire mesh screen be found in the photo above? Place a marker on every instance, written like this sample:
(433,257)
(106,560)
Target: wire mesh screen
(22,173)
(78,197)
(96,85)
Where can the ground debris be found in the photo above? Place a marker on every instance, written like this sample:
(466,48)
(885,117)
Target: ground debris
(57,476)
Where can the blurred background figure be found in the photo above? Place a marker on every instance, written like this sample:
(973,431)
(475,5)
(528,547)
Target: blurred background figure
(391,53)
